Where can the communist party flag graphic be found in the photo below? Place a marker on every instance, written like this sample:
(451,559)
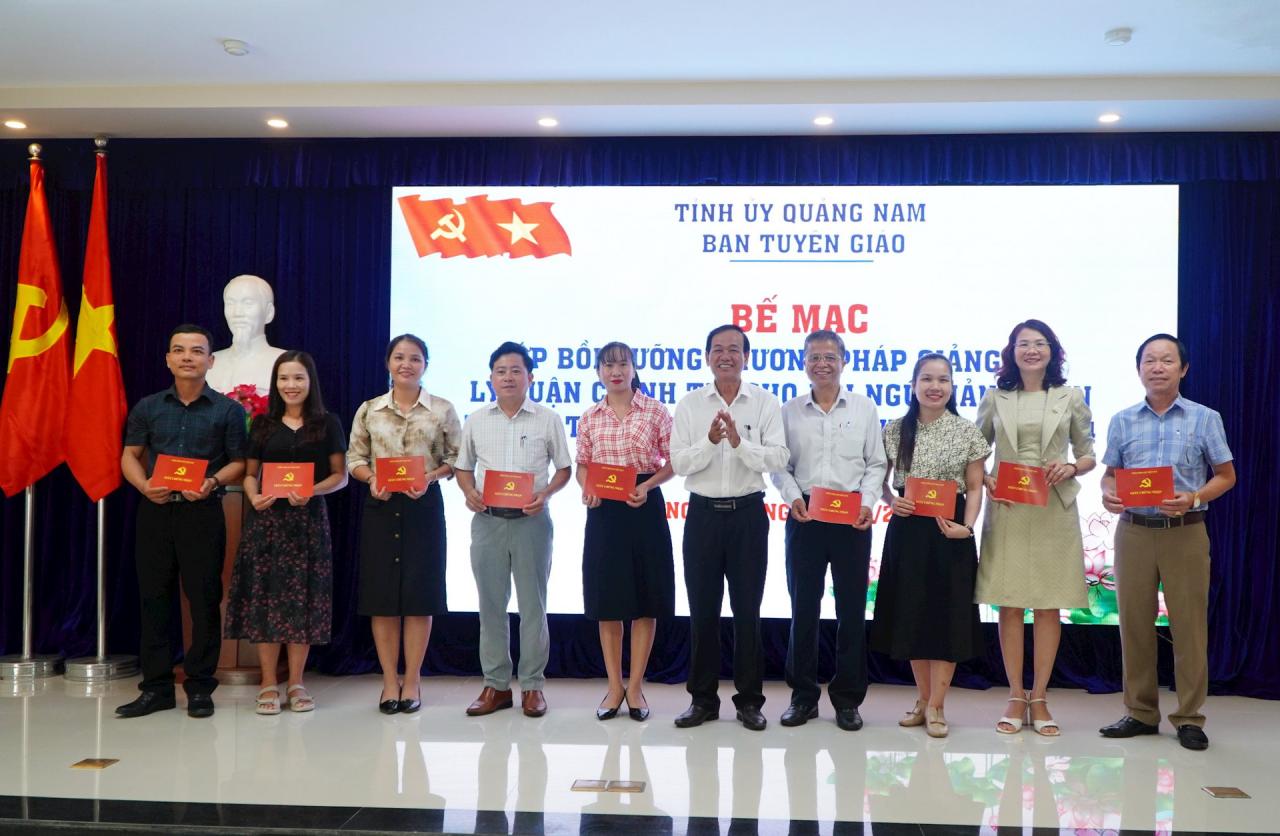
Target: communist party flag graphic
(483,227)
(98,406)
(33,411)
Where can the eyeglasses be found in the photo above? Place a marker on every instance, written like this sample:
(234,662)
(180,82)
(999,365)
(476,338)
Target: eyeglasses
(823,358)
(1023,345)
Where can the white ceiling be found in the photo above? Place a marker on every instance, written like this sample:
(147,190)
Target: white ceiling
(156,68)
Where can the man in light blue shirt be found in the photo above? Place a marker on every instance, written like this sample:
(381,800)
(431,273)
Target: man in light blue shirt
(1165,544)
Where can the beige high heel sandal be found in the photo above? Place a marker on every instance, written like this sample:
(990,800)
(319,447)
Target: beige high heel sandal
(935,725)
(1044,728)
(914,717)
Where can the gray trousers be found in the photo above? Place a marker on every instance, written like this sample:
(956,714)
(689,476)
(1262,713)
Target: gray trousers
(503,549)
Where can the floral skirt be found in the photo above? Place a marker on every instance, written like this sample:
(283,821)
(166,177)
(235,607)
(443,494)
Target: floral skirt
(282,583)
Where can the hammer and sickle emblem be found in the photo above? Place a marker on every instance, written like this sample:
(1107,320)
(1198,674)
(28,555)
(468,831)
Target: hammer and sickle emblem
(1145,483)
(1025,480)
(30,296)
(181,471)
(932,494)
(288,477)
(611,479)
(835,503)
(447,227)
(401,471)
(510,486)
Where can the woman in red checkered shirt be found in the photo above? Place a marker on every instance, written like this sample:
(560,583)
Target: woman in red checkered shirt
(627,568)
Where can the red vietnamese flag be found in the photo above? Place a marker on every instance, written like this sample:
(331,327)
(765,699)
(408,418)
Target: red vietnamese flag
(34,408)
(483,227)
(98,407)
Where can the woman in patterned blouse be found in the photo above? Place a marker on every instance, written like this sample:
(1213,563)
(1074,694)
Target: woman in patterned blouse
(924,609)
(627,568)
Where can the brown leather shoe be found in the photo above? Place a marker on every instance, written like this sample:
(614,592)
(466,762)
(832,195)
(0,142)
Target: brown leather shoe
(489,701)
(533,703)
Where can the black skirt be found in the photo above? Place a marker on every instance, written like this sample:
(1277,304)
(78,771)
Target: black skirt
(402,555)
(627,568)
(924,605)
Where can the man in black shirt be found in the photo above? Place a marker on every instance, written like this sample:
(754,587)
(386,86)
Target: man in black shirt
(182,534)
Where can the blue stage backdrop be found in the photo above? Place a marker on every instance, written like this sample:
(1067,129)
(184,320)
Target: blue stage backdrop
(314,218)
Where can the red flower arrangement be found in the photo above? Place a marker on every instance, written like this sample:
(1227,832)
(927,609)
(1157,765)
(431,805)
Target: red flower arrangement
(246,394)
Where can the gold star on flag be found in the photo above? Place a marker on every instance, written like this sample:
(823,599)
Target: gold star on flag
(520,231)
(93,331)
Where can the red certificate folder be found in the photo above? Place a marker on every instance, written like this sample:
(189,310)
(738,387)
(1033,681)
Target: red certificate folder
(1139,486)
(179,474)
(611,481)
(507,489)
(284,478)
(401,473)
(933,497)
(830,506)
(1022,483)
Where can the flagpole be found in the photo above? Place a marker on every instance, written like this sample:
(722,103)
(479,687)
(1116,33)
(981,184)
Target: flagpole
(27,665)
(100,668)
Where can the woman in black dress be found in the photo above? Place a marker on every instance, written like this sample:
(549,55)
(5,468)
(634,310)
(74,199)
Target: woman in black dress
(282,584)
(924,609)
(402,538)
(627,569)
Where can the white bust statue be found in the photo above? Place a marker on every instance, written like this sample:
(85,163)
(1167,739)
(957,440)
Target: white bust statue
(248,304)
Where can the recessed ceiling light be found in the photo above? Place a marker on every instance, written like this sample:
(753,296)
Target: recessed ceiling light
(234,47)
(15,124)
(1109,118)
(548,121)
(278,124)
(823,121)
(1118,36)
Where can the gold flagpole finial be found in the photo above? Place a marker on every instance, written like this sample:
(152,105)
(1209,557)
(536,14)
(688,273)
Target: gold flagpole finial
(34,150)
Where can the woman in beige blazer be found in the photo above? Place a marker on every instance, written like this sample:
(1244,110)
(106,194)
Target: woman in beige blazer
(1032,557)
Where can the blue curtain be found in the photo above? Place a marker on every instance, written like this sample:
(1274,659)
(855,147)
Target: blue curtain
(315,216)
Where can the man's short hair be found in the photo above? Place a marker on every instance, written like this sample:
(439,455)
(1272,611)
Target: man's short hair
(824,335)
(189,328)
(746,343)
(1184,356)
(511,348)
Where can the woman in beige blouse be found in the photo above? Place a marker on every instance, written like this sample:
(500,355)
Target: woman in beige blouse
(1032,557)
(402,538)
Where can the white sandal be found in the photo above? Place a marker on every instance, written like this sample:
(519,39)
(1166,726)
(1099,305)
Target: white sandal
(269,705)
(1015,722)
(302,702)
(1042,726)
(935,725)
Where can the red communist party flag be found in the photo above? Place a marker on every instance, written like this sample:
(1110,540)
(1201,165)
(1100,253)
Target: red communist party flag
(483,227)
(98,406)
(34,408)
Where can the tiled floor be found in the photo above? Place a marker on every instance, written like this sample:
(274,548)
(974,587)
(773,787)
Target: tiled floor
(347,766)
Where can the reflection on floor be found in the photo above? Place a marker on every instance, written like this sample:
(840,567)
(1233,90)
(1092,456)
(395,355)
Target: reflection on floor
(507,771)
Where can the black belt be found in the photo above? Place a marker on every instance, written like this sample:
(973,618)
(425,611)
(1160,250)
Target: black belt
(177,496)
(731,503)
(1153,521)
(505,513)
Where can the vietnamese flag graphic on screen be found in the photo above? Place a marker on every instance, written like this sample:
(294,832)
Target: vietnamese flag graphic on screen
(483,227)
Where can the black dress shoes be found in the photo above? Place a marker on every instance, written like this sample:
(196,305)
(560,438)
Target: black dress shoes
(199,705)
(638,714)
(389,706)
(848,719)
(1128,727)
(604,713)
(1193,737)
(409,706)
(798,713)
(696,715)
(147,702)
(752,718)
